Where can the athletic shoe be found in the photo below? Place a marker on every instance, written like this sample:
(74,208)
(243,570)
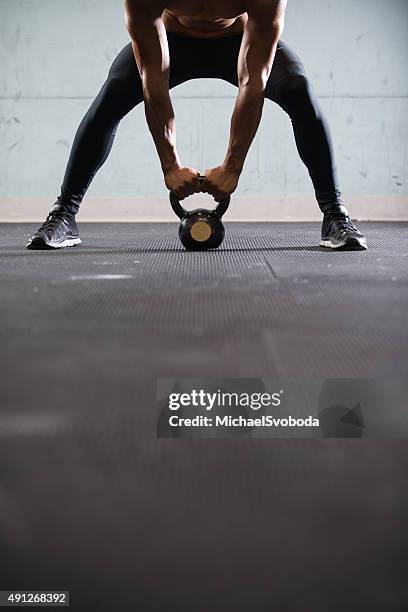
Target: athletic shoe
(338,232)
(59,230)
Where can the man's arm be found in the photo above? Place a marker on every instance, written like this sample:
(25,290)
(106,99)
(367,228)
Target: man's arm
(256,56)
(262,32)
(149,41)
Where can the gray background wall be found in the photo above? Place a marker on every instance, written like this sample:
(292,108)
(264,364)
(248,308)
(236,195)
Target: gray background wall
(54,56)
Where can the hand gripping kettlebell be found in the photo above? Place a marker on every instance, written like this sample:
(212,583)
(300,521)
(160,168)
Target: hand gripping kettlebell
(200,229)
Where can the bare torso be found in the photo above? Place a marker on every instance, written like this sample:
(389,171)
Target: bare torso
(205,19)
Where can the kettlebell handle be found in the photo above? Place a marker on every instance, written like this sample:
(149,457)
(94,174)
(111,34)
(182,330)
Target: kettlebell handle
(181,212)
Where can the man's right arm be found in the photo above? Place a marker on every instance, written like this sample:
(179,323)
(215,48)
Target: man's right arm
(149,41)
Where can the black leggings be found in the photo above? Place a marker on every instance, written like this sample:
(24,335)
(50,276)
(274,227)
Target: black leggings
(194,58)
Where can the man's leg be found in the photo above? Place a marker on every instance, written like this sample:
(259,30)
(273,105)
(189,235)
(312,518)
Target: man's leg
(289,87)
(93,141)
(92,144)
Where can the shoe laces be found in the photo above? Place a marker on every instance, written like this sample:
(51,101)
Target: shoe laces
(52,220)
(342,222)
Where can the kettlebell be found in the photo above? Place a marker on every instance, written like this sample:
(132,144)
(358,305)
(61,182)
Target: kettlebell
(200,229)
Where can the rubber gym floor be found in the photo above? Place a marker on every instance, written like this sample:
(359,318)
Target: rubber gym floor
(93,502)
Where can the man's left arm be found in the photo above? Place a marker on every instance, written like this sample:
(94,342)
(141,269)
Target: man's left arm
(262,32)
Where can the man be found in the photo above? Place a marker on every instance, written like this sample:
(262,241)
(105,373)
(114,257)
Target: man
(174,41)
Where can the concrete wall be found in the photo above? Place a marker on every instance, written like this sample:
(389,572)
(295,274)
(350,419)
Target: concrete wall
(54,56)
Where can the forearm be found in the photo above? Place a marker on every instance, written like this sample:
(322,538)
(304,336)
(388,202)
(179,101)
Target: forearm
(149,42)
(161,121)
(244,125)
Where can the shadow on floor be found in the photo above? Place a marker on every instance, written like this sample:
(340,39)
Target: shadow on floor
(14,251)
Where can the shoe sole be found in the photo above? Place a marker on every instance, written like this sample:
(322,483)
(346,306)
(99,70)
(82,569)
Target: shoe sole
(353,244)
(39,244)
